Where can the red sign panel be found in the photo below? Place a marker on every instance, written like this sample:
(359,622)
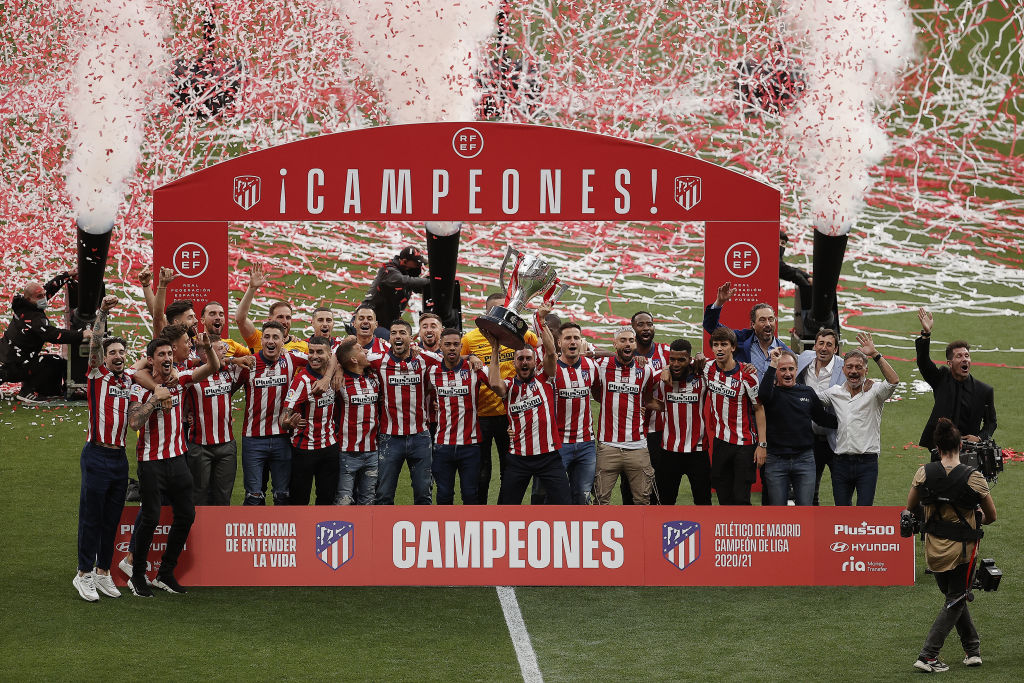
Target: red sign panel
(199,253)
(473,546)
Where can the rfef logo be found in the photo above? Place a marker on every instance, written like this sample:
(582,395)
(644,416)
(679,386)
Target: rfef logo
(335,542)
(246,191)
(680,543)
(687,192)
(190,259)
(742,259)
(467,142)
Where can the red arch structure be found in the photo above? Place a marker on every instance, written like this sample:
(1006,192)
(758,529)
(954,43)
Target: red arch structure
(475,171)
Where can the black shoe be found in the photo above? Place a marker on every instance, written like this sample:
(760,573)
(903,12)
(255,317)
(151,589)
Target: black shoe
(138,587)
(169,584)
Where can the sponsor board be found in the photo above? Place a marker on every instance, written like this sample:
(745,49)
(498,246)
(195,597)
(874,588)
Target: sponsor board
(550,545)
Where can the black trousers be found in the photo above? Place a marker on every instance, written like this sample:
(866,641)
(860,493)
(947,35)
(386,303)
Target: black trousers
(493,428)
(823,455)
(172,478)
(654,447)
(321,464)
(46,374)
(547,467)
(732,472)
(669,474)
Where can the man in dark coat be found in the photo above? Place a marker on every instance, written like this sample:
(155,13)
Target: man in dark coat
(395,282)
(21,357)
(967,402)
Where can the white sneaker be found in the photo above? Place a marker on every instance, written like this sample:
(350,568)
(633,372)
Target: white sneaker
(125,566)
(105,585)
(972,660)
(86,587)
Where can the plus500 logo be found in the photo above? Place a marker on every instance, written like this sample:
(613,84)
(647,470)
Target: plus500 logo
(864,529)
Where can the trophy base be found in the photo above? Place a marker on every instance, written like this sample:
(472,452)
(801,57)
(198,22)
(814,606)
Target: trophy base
(507,327)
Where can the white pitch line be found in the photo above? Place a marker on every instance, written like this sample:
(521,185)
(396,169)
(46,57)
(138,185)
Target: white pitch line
(520,636)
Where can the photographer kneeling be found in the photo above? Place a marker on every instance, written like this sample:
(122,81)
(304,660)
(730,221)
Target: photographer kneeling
(956,502)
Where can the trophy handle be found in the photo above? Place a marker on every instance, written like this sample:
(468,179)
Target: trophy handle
(555,292)
(509,251)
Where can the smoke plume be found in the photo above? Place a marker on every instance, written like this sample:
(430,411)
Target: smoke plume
(854,51)
(425,53)
(121,56)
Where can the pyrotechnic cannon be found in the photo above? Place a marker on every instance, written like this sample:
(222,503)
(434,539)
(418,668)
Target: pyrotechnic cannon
(829,252)
(93,246)
(444,297)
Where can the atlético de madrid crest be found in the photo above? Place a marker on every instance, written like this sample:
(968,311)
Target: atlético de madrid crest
(680,543)
(246,191)
(687,191)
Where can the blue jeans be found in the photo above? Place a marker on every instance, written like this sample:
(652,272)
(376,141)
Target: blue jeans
(854,472)
(104,484)
(446,461)
(780,472)
(580,462)
(357,483)
(259,452)
(392,452)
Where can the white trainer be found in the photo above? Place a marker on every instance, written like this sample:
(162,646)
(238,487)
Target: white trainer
(972,660)
(86,587)
(105,584)
(125,566)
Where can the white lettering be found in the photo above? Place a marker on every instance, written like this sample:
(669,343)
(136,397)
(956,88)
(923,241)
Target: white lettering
(621,181)
(474,189)
(403,535)
(314,201)
(589,545)
(440,187)
(550,191)
(613,557)
(539,549)
(396,192)
(353,202)
(515,544)
(462,551)
(430,545)
(494,542)
(510,196)
(585,207)
(567,545)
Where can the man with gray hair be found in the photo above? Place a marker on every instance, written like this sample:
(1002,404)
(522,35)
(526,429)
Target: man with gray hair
(858,407)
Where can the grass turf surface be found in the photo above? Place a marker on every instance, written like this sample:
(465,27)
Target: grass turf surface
(837,633)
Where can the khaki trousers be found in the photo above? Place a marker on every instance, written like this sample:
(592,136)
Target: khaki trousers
(634,465)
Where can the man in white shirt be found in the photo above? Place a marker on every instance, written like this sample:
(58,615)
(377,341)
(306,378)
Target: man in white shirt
(858,406)
(820,369)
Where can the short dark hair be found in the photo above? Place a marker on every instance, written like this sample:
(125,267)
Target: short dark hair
(492,297)
(208,304)
(273,325)
(345,349)
(177,308)
(278,304)
(431,316)
(947,436)
(827,332)
(723,333)
(173,333)
(401,321)
(449,331)
(322,309)
(681,345)
(568,325)
(756,308)
(552,321)
(366,307)
(110,341)
(152,346)
(632,320)
(317,340)
(954,345)
(856,353)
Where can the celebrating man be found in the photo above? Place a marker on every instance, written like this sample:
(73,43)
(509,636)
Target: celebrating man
(359,399)
(574,381)
(682,392)
(753,344)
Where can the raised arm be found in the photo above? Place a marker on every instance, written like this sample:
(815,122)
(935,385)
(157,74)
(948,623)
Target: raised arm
(548,343)
(212,364)
(257,278)
(922,345)
(867,347)
(167,275)
(98,330)
(146,281)
(713,313)
(494,379)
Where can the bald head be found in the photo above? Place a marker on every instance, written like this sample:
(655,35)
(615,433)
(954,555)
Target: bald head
(34,292)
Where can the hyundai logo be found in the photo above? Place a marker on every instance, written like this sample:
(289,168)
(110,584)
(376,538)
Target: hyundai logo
(839,547)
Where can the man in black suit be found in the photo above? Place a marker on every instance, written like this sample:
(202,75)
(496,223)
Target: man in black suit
(968,403)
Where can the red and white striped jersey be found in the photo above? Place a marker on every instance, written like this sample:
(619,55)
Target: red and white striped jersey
(210,404)
(163,435)
(684,414)
(657,359)
(108,396)
(531,414)
(572,400)
(359,399)
(622,399)
(265,389)
(405,404)
(378,346)
(456,392)
(317,411)
(732,397)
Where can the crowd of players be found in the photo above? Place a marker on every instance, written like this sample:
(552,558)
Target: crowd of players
(337,417)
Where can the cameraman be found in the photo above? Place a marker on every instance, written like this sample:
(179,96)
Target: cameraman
(956,500)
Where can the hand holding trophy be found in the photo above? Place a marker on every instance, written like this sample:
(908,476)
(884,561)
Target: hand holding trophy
(530,276)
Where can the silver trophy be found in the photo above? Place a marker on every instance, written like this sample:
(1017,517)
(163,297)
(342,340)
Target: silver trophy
(529,276)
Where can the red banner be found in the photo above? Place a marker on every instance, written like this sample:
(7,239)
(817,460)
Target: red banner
(559,545)
(199,253)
